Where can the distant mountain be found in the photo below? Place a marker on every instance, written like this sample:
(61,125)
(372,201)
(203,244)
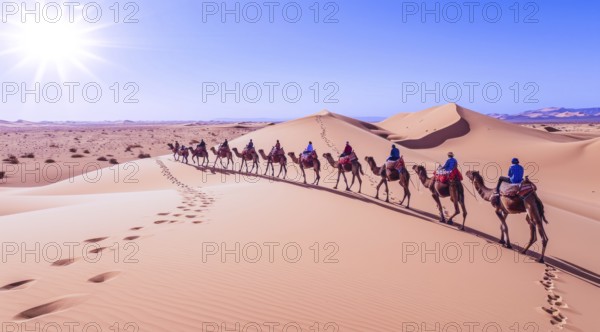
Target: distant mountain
(553,114)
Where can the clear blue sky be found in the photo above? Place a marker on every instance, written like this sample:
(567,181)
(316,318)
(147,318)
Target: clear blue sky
(376,56)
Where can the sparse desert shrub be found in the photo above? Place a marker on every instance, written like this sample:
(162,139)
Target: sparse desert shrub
(72,150)
(102,159)
(28,155)
(77,155)
(194,142)
(53,145)
(86,151)
(113,161)
(551,129)
(129,147)
(144,155)
(109,155)
(50,161)
(2,175)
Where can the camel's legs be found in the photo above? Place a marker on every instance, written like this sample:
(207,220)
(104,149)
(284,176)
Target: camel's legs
(378,186)
(355,175)
(456,210)
(503,228)
(318,176)
(537,219)
(387,191)
(303,173)
(341,171)
(436,198)
(544,240)
(464,213)
(532,236)
(406,194)
(284,167)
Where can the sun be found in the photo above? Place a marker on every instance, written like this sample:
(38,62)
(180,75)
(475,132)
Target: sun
(51,42)
(46,47)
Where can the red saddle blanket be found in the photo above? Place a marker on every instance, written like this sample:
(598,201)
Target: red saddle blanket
(348,159)
(395,164)
(247,151)
(517,189)
(308,157)
(223,149)
(444,176)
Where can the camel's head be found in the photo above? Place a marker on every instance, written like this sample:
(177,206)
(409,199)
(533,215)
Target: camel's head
(170,145)
(473,175)
(419,169)
(327,155)
(291,154)
(368,159)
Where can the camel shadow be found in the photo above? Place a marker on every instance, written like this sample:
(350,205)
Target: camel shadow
(571,268)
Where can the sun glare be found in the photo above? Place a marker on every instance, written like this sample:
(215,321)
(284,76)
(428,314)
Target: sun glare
(51,42)
(44,47)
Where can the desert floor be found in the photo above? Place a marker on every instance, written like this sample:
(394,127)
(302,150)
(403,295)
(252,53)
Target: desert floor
(178,247)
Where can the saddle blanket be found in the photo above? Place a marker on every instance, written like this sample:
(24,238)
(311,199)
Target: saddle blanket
(516,189)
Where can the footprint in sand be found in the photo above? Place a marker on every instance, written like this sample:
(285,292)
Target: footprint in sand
(96,239)
(50,307)
(97,250)
(197,222)
(65,262)
(160,222)
(191,216)
(135,228)
(131,238)
(163,213)
(104,277)
(16,285)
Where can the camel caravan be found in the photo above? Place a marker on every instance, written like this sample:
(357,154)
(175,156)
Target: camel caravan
(514,194)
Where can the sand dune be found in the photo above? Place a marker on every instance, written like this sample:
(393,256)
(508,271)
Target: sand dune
(366,265)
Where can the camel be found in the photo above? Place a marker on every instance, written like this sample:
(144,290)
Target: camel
(200,153)
(271,159)
(355,167)
(221,154)
(175,151)
(248,156)
(452,189)
(403,179)
(315,164)
(531,204)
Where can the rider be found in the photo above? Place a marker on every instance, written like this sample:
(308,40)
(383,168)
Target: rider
(276,148)
(250,145)
(176,145)
(202,144)
(394,154)
(347,150)
(515,174)
(451,166)
(225,144)
(309,148)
